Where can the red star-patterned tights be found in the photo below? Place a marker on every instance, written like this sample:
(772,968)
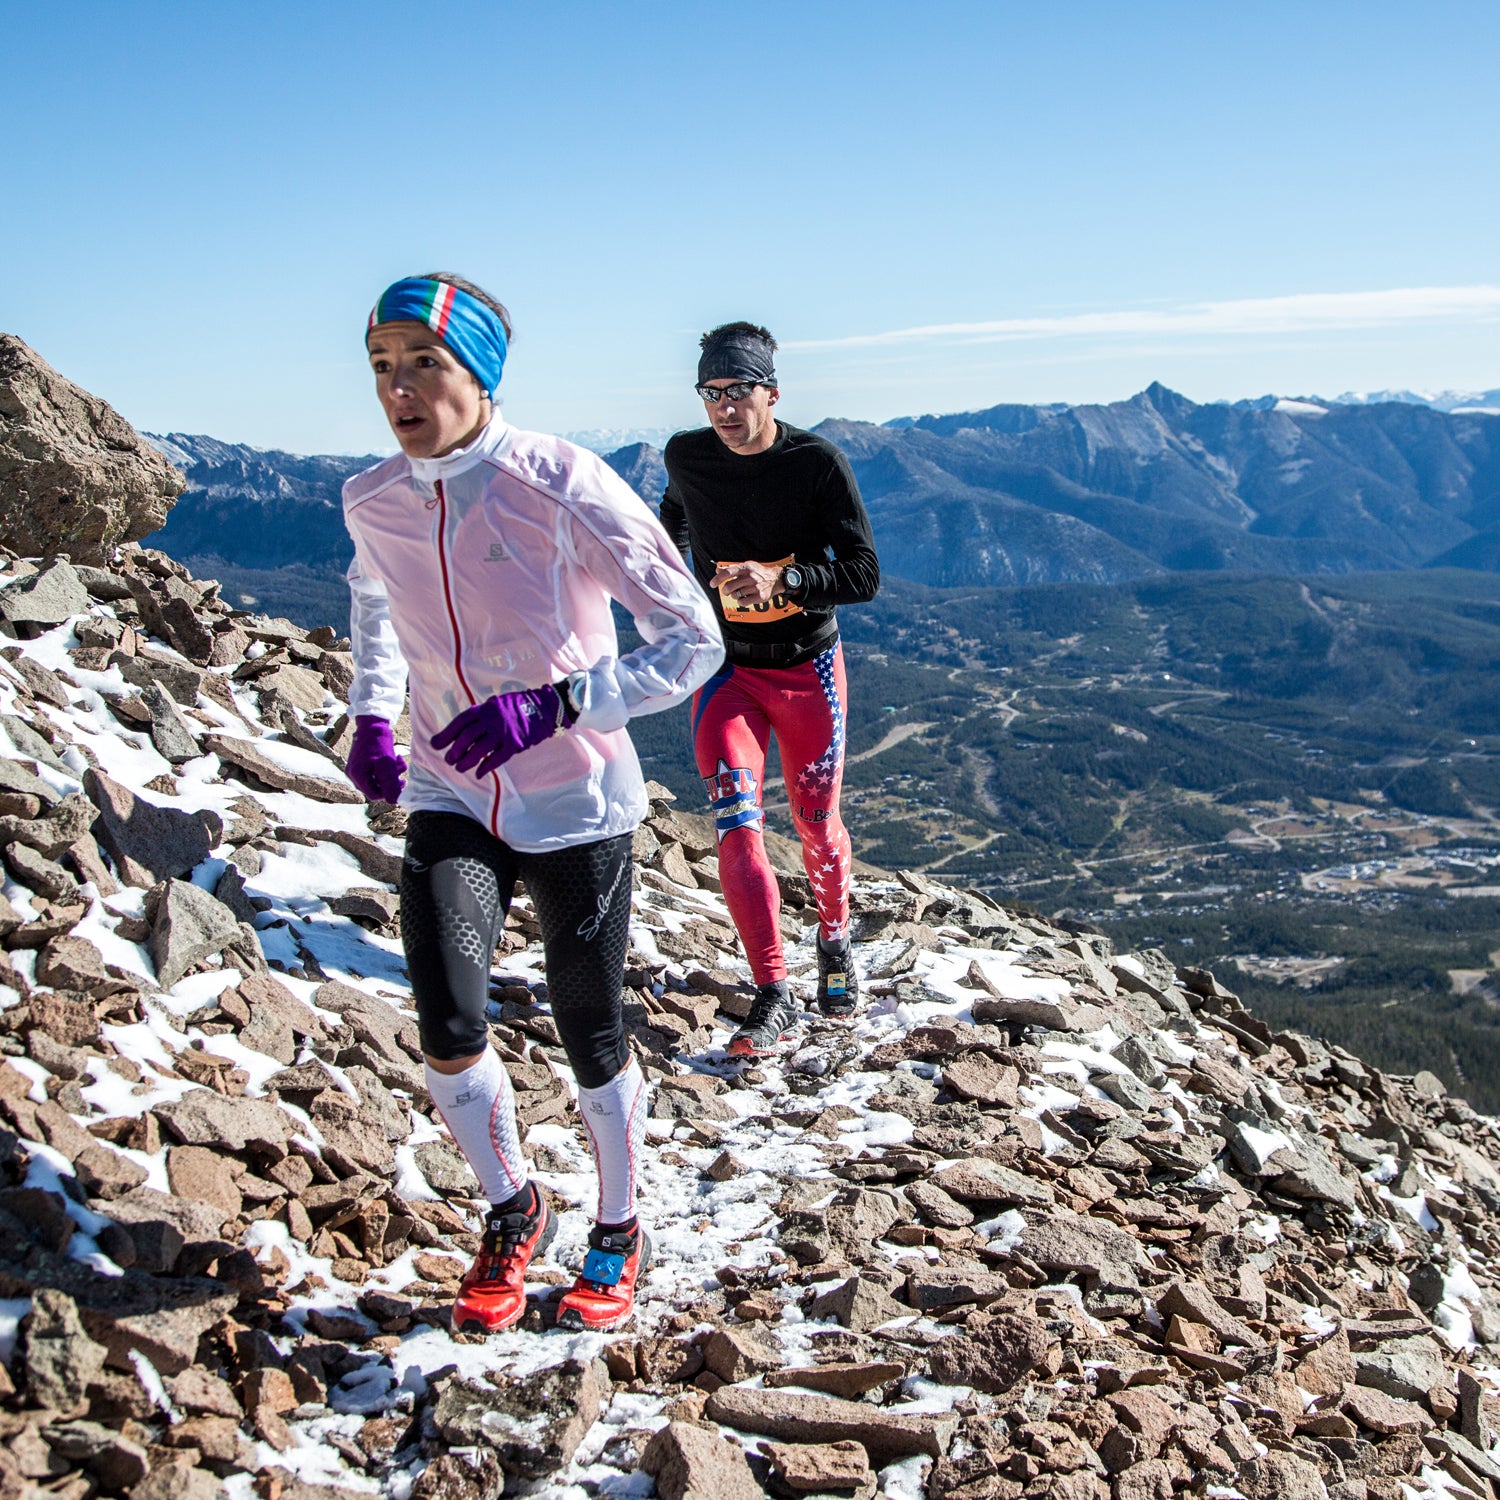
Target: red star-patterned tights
(734,716)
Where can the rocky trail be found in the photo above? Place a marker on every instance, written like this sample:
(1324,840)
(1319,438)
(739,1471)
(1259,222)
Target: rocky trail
(1046,1221)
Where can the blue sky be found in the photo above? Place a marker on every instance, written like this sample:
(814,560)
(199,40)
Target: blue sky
(935,207)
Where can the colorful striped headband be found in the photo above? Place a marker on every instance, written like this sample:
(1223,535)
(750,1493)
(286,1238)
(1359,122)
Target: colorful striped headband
(470,329)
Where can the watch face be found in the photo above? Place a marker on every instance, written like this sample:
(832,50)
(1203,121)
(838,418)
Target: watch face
(794,578)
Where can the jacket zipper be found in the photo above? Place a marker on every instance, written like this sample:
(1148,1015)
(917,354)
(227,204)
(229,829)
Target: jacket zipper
(458,662)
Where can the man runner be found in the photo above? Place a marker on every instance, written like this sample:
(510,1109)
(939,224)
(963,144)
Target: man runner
(778,536)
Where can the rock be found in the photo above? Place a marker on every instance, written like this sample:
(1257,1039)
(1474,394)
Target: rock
(850,1380)
(1071,1242)
(229,889)
(446,1170)
(679,1103)
(858,1217)
(735,1354)
(1382,1413)
(175,1482)
(382,1028)
(103,1172)
(204,1175)
(170,732)
(74,963)
(202,1117)
(74,1023)
(29,743)
(278,1020)
(858,1304)
(183,682)
(1282,1476)
(115,1461)
(146,843)
(533,1422)
(1194,1302)
(14,777)
(242,753)
(75,477)
(936,1206)
(980,1180)
(1054,1015)
(187,925)
(943,1286)
(991,1357)
(693,1463)
(51,836)
(1315,1176)
(42,682)
(471,1475)
(297,686)
(370,903)
(217,1439)
(1329,1368)
(51,594)
(821,1468)
(1405,1368)
(885,1433)
(132,1312)
(142,1210)
(41,874)
(61,1360)
(196,1391)
(982,1079)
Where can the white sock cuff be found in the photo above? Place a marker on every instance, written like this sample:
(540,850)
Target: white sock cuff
(615,1117)
(457,1088)
(478,1107)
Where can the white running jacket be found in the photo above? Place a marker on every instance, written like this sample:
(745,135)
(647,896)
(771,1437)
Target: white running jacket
(492,568)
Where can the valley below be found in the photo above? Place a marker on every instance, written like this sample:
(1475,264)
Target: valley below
(1291,781)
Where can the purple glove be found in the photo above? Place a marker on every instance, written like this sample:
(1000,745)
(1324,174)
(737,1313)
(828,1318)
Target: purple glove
(484,737)
(374,767)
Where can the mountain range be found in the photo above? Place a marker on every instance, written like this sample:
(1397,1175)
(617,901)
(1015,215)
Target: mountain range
(1017,494)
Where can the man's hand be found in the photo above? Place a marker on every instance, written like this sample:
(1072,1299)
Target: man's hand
(748,583)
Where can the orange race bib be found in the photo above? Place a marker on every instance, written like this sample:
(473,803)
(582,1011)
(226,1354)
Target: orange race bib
(777,607)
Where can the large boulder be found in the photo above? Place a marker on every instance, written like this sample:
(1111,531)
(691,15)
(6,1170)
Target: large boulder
(75,476)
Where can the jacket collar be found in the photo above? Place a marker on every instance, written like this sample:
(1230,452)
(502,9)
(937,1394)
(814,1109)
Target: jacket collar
(494,436)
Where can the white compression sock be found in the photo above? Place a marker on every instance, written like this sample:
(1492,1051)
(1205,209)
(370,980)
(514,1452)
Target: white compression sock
(479,1107)
(615,1115)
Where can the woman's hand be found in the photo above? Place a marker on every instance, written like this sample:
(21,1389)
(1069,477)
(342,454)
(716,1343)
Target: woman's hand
(374,767)
(482,738)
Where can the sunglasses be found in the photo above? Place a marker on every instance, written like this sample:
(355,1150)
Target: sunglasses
(736,392)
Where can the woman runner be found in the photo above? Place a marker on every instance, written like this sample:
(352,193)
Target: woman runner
(485,560)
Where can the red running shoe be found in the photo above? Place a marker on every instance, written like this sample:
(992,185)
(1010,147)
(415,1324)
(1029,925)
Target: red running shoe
(492,1296)
(604,1295)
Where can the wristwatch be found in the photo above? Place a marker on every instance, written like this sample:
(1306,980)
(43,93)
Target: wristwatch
(791,579)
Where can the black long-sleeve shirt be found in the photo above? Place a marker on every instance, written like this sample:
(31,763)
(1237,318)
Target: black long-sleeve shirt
(796,502)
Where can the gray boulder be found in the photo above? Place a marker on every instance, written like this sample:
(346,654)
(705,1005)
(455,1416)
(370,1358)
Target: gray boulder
(75,476)
(187,925)
(147,843)
(61,1359)
(47,597)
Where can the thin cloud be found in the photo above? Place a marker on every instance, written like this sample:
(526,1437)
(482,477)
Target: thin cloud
(1309,312)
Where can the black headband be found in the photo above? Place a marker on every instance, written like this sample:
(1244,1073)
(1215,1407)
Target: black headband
(738,355)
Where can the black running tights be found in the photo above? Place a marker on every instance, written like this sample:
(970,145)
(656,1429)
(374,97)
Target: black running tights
(457,881)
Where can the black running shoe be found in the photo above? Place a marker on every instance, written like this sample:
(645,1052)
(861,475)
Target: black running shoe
(771,1019)
(838,980)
